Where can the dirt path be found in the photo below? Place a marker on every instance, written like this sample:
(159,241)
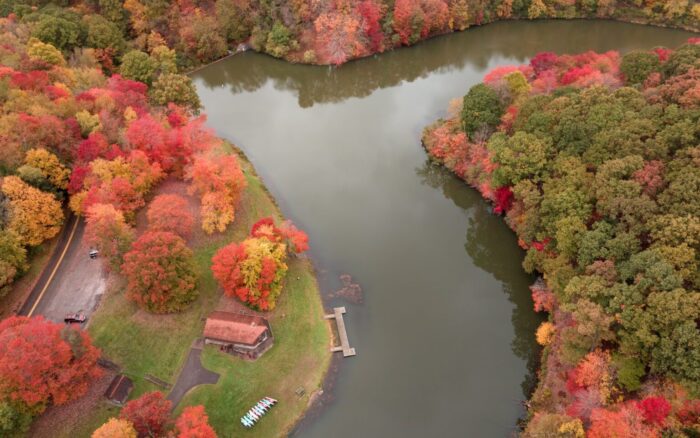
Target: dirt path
(192,374)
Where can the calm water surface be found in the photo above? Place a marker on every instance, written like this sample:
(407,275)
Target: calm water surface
(445,336)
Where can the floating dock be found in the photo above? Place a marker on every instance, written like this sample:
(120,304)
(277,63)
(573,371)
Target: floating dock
(344,342)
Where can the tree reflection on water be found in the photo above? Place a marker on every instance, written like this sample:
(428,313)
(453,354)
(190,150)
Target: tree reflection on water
(489,243)
(475,47)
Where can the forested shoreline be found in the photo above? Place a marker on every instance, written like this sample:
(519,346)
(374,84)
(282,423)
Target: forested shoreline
(594,161)
(131,37)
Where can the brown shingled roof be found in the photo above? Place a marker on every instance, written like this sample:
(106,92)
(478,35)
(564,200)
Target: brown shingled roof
(118,391)
(234,327)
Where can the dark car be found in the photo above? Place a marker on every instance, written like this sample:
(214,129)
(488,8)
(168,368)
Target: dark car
(75,318)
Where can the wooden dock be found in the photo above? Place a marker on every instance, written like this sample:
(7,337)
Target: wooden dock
(344,342)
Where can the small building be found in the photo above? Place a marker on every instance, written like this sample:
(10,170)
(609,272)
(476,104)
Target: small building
(119,390)
(247,336)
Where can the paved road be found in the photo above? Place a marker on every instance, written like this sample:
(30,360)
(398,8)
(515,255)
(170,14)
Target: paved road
(71,281)
(192,374)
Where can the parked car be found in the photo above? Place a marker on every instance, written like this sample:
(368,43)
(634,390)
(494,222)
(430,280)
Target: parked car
(75,318)
(93,253)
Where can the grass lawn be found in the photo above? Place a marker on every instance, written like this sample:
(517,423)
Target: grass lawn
(150,344)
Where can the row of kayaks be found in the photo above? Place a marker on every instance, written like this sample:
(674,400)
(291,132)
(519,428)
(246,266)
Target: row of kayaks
(257,411)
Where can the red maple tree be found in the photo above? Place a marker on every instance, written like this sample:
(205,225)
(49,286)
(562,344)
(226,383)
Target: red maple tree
(655,410)
(149,414)
(372,14)
(504,199)
(42,362)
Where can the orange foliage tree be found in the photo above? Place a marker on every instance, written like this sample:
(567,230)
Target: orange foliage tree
(108,232)
(170,212)
(416,19)
(160,272)
(42,362)
(35,216)
(193,423)
(338,36)
(625,422)
(220,182)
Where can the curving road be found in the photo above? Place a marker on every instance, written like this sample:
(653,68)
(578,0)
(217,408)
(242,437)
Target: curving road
(71,281)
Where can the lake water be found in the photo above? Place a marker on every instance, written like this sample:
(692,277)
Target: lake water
(445,335)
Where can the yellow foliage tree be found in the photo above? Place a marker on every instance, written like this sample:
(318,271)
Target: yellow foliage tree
(216,212)
(129,115)
(675,8)
(505,9)
(572,429)
(537,9)
(518,86)
(606,8)
(257,250)
(545,333)
(34,215)
(459,15)
(106,170)
(138,15)
(76,202)
(47,53)
(136,169)
(220,182)
(88,122)
(115,428)
(49,165)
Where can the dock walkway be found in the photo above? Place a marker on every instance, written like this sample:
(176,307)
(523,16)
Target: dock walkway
(344,342)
